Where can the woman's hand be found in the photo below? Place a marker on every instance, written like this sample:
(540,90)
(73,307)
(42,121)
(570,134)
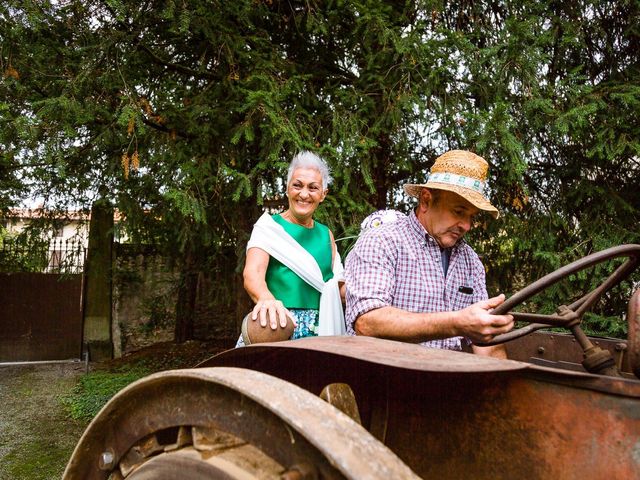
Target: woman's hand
(267,308)
(276,311)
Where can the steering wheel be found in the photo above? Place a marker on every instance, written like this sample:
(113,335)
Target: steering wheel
(570,316)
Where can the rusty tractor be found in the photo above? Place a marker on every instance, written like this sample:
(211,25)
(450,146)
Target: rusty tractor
(562,406)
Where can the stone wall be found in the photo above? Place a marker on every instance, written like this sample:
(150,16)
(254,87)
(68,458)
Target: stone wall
(145,290)
(144,299)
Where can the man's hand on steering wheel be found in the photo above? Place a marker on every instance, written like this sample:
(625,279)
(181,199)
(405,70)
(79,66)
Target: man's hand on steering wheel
(477,323)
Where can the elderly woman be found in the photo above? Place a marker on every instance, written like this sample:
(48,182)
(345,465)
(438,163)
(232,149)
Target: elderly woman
(293,267)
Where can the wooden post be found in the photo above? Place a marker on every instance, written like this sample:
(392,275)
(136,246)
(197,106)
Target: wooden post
(97,300)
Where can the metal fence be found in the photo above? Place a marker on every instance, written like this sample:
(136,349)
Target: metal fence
(57,255)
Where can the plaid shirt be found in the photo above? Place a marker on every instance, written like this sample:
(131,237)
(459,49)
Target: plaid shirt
(399,265)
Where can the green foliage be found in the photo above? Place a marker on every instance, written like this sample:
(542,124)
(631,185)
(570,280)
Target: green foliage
(605,326)
(95,389)
(45,461)
(23,253)
(213,99)
(158,313)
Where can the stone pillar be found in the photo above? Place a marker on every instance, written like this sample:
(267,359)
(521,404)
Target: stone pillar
(97,290)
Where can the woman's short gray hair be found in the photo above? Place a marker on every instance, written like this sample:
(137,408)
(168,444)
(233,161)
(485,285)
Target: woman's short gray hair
(306,159)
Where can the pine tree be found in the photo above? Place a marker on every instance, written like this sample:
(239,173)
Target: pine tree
(191,111)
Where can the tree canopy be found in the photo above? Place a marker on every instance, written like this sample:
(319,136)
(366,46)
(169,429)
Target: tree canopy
(185,114)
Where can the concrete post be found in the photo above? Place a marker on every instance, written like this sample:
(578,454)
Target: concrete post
(97,289)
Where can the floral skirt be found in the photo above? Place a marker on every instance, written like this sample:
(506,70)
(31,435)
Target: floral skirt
(307,320)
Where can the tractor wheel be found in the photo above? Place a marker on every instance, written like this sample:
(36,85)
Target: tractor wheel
(226,423)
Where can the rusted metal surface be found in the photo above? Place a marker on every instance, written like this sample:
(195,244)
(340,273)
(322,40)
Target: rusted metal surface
(183,464)
(222,456)
(561,350)
(470,417)
(283,421)
(633,318)
(567,315)
(342,397)
(385,352)
(192,464)
(40,316)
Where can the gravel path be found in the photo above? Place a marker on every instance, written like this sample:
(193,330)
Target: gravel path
(36,437)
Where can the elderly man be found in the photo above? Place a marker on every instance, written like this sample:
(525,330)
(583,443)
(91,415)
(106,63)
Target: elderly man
(415,279)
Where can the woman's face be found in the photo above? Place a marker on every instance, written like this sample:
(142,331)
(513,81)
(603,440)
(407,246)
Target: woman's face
(305,192)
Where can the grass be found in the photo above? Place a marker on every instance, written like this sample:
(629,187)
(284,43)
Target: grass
(95,389)
(37,435)
(44,409)
(46,460)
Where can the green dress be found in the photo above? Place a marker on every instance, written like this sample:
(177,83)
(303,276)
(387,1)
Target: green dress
(300,298)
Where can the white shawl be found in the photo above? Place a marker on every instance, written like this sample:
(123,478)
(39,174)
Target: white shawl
(269,236)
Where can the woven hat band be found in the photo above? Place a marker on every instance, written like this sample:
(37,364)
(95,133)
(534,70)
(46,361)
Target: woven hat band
(459,180)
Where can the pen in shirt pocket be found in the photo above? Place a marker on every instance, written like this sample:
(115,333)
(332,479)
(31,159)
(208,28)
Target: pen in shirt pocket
(467,290)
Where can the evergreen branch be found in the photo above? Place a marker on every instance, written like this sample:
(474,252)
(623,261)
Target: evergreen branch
(164,129)
(176,66)
(26,165)
(332,67)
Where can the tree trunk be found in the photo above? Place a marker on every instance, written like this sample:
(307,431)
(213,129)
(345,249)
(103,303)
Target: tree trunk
(185,308)
(243,301)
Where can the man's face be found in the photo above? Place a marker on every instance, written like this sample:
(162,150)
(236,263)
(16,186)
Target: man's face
(448,218)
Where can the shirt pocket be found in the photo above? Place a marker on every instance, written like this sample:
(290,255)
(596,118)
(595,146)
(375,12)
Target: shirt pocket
(462,297)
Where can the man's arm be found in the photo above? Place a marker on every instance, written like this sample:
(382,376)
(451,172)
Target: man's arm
(474,322)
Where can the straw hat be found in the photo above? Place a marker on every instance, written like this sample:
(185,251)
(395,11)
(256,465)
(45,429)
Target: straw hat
(460,172)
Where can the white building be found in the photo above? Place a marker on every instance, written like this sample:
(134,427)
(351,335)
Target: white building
(67,240)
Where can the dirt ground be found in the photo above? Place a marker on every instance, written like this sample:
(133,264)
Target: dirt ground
(36,435)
